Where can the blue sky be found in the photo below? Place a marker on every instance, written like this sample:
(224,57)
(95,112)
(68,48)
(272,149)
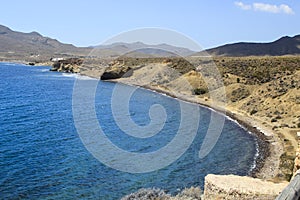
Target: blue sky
(209,22)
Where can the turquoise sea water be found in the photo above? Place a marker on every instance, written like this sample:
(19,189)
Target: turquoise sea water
(42,156)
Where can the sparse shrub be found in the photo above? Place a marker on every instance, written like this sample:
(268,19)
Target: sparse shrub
(238,80)
(287,163)
(158,194)
(190,193)
(298,125)
(199,91)
(146,194)
(274,120)
(239,94)
(253,112)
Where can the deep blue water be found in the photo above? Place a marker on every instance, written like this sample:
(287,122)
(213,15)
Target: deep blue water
(43,157)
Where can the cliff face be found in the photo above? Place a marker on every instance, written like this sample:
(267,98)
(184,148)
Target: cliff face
(125,67)
(70,65)
(116,70)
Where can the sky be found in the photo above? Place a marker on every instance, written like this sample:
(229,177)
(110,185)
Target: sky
(209,23)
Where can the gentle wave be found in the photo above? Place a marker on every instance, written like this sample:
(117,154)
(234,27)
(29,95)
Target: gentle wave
(77,76)
(44,70)
(13,64)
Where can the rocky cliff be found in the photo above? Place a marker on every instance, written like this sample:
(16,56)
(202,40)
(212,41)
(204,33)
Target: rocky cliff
(70,65)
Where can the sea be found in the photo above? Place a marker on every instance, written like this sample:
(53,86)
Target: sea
(44,156)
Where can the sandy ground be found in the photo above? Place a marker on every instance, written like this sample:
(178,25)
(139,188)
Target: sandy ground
(217,187)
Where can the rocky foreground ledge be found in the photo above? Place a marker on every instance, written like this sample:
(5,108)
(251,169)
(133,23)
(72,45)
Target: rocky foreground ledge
(230,187)
(240,187)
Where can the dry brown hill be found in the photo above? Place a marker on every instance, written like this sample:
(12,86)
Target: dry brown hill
(33,46)
(263,90)
(283,46)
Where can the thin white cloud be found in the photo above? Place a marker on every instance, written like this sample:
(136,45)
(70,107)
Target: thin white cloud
(286,9)
(273,8)
(263,7)
(242,5)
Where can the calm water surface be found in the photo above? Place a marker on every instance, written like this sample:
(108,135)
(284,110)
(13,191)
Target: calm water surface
(42,156)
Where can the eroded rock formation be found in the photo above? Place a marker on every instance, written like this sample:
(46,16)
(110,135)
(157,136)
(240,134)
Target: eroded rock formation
(70,65)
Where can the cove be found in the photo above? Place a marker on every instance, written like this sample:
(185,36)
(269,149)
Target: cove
(42,155)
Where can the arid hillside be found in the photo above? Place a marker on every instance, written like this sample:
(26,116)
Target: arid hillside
(263,90)
(283,46)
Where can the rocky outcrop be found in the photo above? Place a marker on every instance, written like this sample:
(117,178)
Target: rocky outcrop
(297,159)
(240,187)
(114,72)
(70,65)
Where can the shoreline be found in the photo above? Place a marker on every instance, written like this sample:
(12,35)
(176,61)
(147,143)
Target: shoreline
(263,142)
(269,146)
(266,145)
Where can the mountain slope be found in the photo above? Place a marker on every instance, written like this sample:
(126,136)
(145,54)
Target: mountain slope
(139,49)
(283,46)
(35,47)
(10,40)
(19,45)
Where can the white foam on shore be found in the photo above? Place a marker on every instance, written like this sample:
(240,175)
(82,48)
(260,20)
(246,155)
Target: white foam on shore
(44,70)
(14,64)
(257,152)
(77,76)
(223,113)
(254,164)
(266,133)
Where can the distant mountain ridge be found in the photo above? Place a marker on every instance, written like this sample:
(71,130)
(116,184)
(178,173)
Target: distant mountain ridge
(33,46)
(283,46)
(139,48)
(17,41)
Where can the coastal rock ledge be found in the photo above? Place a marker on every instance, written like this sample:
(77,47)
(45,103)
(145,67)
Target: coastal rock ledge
(240,187)
(70,65)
